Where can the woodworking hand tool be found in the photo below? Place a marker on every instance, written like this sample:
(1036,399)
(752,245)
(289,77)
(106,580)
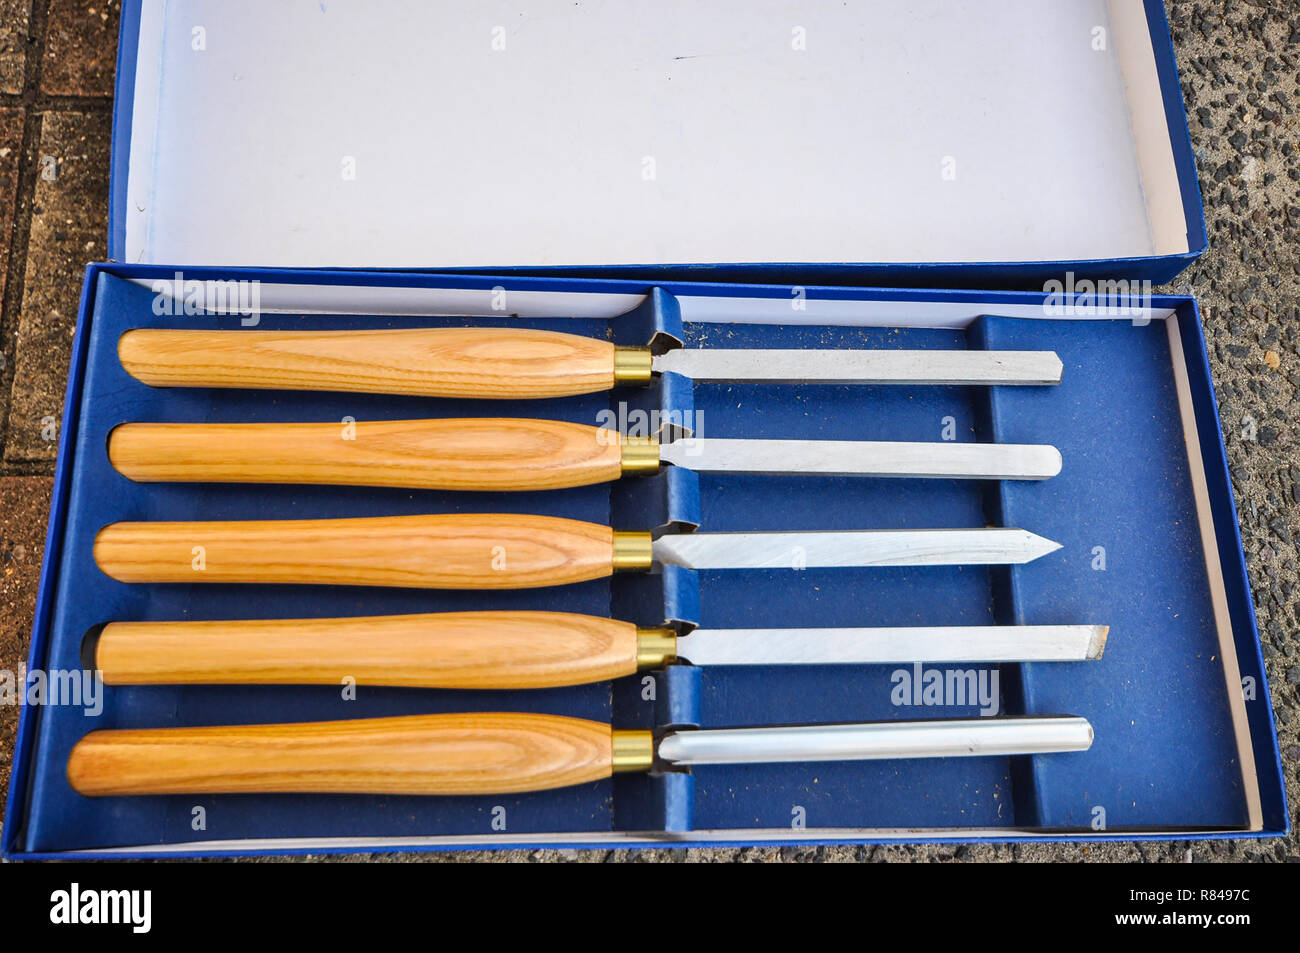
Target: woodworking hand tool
(498,753)
(509,551)
(530,649)
(511,454)
(519,363)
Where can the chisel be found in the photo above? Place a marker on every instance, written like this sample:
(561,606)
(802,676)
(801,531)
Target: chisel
(510,650)
(520,363)
(500,753)
(509,551)
(512,454)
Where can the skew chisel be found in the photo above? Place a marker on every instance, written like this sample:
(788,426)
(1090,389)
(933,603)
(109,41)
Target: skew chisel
(499,753)
(520,363)
(513,454)
(509,551)
(511,650)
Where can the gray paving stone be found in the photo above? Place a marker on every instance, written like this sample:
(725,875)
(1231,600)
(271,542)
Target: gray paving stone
(69,223)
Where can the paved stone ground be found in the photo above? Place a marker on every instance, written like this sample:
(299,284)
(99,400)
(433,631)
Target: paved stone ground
(1240,63)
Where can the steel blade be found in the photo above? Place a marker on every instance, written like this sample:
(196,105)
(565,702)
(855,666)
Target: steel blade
(944,738)
(879,547)
(879,458)
(862,367)
(860,646)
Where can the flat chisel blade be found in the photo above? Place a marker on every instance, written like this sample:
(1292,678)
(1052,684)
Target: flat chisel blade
(862,367)
(865,646)
(942,738)
(827,549)
(880,458)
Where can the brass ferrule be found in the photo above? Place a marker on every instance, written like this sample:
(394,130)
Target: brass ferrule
(655,647)
(633,751)
(632,365)
(640,455)
(633,552)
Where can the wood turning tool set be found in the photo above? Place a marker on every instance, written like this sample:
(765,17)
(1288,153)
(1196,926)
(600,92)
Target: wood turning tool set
(489,753)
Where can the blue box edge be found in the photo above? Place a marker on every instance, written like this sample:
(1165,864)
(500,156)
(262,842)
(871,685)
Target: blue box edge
(53,549)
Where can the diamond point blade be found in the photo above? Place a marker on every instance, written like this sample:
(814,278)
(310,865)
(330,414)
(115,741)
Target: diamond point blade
(860,548)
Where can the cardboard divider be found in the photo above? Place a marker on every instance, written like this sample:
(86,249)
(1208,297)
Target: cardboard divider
(1232,563)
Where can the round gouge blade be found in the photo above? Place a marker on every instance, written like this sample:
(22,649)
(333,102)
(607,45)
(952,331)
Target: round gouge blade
(942,738)
(880,458)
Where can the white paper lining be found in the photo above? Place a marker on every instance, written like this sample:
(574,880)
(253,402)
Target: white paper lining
(399,133)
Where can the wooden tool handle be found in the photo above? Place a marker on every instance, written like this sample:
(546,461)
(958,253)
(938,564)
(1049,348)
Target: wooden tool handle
(439,650)
(510,363)
(450,551)
(454,454)
(414,754)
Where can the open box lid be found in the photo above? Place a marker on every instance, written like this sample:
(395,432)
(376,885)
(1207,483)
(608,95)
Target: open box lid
(907,142)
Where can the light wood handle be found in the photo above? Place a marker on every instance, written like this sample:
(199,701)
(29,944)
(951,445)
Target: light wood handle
(438,650)
(454,454)
(413,754)
(448,551)
(510,363)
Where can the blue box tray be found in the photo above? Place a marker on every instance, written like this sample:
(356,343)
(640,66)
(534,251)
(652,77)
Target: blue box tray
(1175,751)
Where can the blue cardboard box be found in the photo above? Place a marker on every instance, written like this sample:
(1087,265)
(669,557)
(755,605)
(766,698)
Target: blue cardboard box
(597,166)
(1185,744)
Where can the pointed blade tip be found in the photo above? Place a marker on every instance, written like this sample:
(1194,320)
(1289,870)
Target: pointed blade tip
(1038,546)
